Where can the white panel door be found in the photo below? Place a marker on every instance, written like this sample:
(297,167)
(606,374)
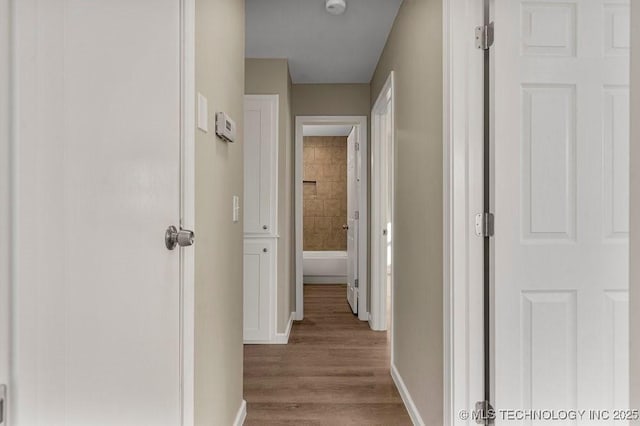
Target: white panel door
(352,219)
(258,255)
(561,204)
(96,300)
(260,164)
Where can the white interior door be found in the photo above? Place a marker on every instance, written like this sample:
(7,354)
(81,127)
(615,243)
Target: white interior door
(353,177)
(96,313)
(561,199)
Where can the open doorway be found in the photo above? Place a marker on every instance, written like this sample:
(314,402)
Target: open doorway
(331,207)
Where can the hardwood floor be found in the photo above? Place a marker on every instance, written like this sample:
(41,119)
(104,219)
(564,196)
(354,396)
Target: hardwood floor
(334,371)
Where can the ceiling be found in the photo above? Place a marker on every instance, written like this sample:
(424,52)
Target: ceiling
(321,48)
(326,130)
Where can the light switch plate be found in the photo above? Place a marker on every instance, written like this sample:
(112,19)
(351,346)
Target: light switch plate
(236,208)
(203,113)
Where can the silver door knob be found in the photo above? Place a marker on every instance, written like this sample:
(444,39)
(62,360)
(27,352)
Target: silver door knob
(384,232)
(182,238)
(265,227)
(345,227)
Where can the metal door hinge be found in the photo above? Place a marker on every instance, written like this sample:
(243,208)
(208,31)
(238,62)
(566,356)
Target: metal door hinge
(3,404)
(484,413)
(484,36)
(357,146)
(356,215)
(356,283)
(484,224)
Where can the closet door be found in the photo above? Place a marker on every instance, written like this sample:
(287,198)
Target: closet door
(261,156)
(258,264)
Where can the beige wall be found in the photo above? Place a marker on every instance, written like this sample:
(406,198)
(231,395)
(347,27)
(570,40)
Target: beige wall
(331,99)
(219,252)
(414,52)
(271,77)
(634,216)
(325,193)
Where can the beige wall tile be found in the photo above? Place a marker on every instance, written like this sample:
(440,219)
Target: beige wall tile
(308,153)
(324,154)
(323,224)
(325,200)
(313,208)
(339,190)
(308,224)
(332,208)
(324,190)
(311,172)
(332,172)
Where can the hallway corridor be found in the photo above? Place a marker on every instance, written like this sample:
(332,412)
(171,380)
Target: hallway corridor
(334,371)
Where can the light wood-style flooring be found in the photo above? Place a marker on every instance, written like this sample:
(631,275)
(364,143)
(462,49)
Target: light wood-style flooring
(334,371)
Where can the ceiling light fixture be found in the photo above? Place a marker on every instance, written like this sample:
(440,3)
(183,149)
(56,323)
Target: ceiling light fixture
(335,7)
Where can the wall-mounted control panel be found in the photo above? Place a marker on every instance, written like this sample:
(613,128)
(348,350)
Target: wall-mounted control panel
(225,127)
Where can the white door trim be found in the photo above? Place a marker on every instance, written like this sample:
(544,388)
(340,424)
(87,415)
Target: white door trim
(462,197)
(187,208)
(6,184)
(361,123)
(378,317)
(634,236)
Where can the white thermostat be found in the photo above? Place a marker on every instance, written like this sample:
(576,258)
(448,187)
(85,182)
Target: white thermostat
(225,127)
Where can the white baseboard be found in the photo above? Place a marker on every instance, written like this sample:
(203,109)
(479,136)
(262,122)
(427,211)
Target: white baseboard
(406,397)
(283,338)
(242,414)
(324,279)
(278,338)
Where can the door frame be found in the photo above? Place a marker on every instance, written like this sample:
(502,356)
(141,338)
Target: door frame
(379,295)
(8,195)
(360,122)
(6,186)
(187,206)
(634,237)
(463,253)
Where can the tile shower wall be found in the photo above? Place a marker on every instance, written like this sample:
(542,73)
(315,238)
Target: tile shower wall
(325,193)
